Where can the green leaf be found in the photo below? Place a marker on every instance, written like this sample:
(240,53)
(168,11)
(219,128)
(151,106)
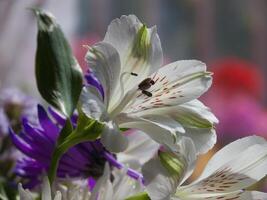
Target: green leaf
(3,195)
(87,130)
(140,196)
(59,76)
(174,164)
(7,191)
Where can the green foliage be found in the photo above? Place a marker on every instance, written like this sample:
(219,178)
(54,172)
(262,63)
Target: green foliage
(140,196)
(7,192)
(87,130)
(59,81)
(58,75)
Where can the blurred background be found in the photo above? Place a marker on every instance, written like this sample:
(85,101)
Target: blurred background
(229,35)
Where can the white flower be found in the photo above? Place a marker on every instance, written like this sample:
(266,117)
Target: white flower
(139,93)
(46,192)
(226,176)
(140,149)
(119,188)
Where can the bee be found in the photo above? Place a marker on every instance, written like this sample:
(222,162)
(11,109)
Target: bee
(145,85)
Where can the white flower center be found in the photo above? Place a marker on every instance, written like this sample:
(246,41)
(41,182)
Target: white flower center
(125,100)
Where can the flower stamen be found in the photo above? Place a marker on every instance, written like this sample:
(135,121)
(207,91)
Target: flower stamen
(134,74)
(145,85)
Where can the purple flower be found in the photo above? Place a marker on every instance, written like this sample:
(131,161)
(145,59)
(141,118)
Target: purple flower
(38,142)
(14,104)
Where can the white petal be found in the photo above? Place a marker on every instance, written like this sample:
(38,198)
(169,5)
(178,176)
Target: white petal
(237,195)
(73,190)
(112,138)
(176,83)
(58,196)
(164,122)
(197,120)
(123,34)
(160,184)
(200,114)
(141,148)
(187,150)
(125,186)
(104,61)
(24,194)
(93,107)
(46,190)
(92,104)
(244,169)
(162,129)
(204,139)
(230,152)
(103,189)
(257,195)
(121,187)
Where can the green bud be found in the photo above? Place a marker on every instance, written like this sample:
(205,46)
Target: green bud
(58,75)
(142,44)
(174,164)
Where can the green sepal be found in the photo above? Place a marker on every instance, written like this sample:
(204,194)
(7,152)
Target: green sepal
(190,120)
(173,163)
(139,196)
(142,43)
(87,130)
(58,75)
(66,130)
(124,129)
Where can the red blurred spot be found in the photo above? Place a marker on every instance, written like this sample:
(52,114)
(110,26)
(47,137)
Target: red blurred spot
(234,75)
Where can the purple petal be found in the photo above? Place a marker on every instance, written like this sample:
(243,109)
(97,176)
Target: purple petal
(91,183)
(93,81)
(32,183)
(49,127)
(28,170)
(39,136)
(37,149)
(77,157)
(57,116)
(20,143)
(25,147)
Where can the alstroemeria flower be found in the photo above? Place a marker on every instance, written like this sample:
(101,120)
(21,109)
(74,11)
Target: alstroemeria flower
(226,176)
(136,92)
(85,160)
(119,188)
